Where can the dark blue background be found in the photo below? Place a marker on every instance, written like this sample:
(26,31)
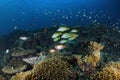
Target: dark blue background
(23,13)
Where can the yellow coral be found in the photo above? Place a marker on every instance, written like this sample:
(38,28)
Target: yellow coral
(79,60)
(90,59)
(22,76)
(110,72)
(95,46)
(94,53)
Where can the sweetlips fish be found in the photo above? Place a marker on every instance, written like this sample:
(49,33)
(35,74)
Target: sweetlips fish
(56,39)
(70,36)
(73,36)
(66,35)
(57,34)
(63,41)
(74,30)
(63,28)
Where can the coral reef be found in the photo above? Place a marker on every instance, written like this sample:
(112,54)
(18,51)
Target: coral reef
(12,70)
(50,69)
(110,72)
(53,69)
(22,52)
(87,64)
(79,60)
(31,60)
(52,60)
(34,60)
(23,76)
(94,53)
(2,78)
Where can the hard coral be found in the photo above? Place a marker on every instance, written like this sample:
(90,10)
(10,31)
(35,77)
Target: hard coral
(94,53)
(53,69)
(110,72)
(88,63)
(95,46)
(2,78)
(79,60)
(11,70)
(18,52)
(50,69)
(22,76)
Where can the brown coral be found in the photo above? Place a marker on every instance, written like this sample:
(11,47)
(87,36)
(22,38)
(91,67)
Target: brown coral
(88,63)
(2,78)
(110,72)
(94,53)
(53,69)
(50,69)
(22,76)
(79,60)
(95,46)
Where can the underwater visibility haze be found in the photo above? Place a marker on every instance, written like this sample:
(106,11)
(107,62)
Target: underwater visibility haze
(34,14)
(59,39)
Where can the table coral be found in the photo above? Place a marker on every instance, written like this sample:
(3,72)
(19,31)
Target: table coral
(17,53)
(12,70)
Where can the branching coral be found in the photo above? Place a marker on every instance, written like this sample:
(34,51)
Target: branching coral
(110,72)
(23,76)
(94,46)
(79,60)
(53,69)
(88,63)
(50,69)
(94,53)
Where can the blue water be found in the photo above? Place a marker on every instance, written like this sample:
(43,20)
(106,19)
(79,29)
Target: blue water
(34,14)
(18,42)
